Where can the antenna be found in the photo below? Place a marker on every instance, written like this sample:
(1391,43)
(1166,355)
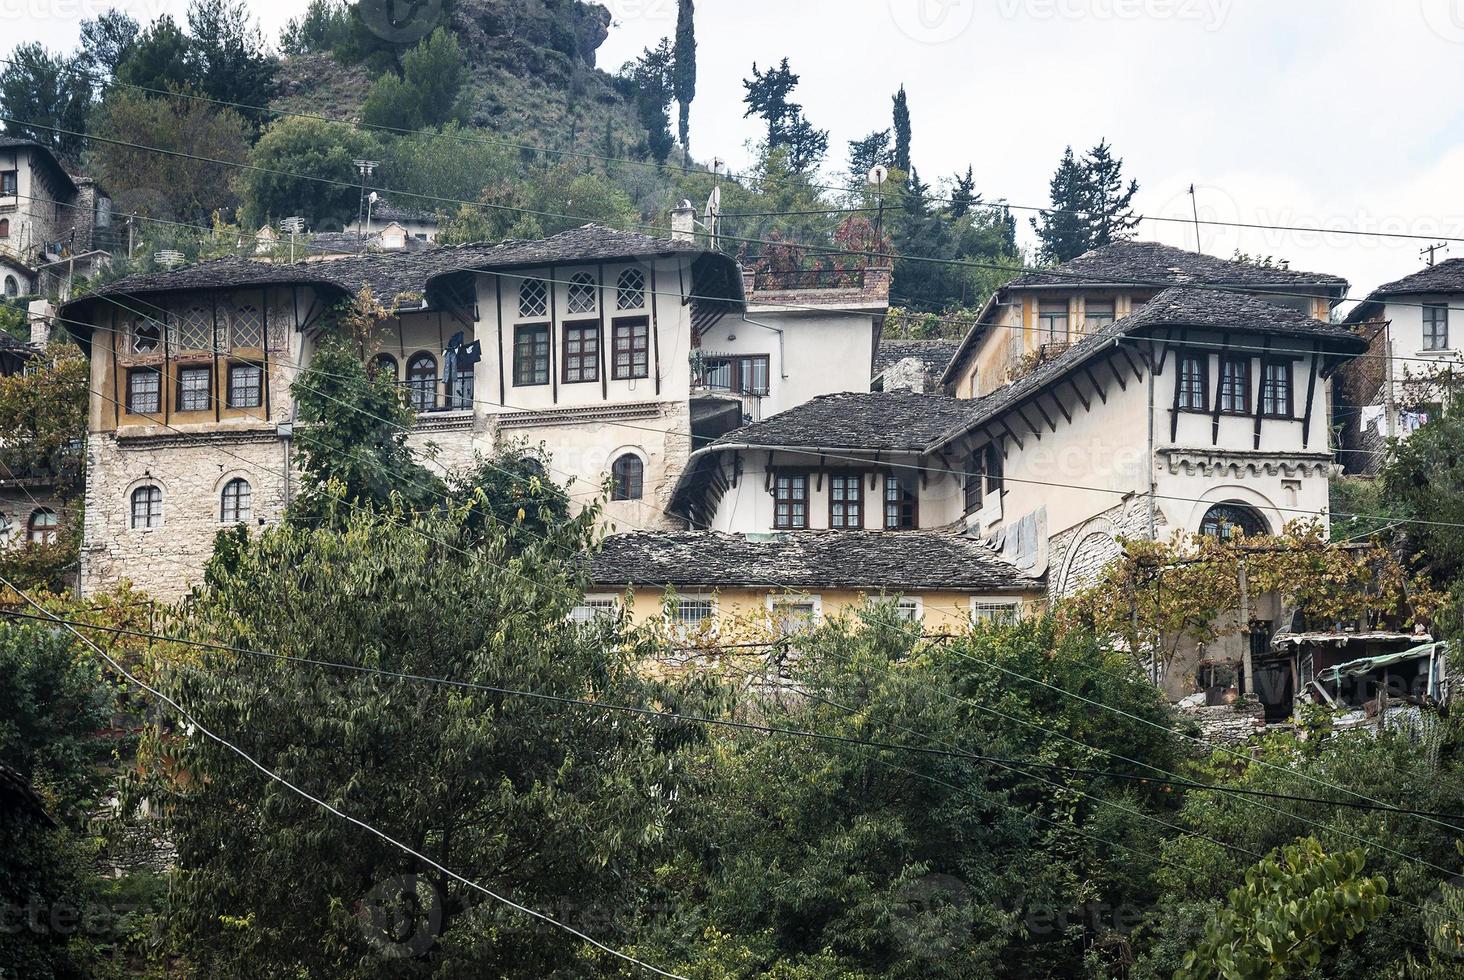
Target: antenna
(365,168)
(168,258)
(1428,251)
(292,226)
(1195,209)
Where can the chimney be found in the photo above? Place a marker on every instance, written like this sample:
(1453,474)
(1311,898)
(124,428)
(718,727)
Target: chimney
(41,318)
(683,222)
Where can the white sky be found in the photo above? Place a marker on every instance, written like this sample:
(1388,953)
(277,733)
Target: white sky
(1330,114)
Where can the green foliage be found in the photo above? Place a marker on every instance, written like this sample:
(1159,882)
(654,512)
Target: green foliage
(683,72)
(560,807)
(1091,205)
(426,93)
(510,209)
(650,78)
(1357,507)
(53,702)
(43,415)
(901,159)
(160,59)
(511,492)
(106,42)
(232,59)
(767,96)
(325,26)
(165,185)
(43,93)
(1423,481)
(313,147)
(865,154)
(1294,905)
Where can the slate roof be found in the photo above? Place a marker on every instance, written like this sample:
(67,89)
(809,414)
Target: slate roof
(18,142)
(1131,262)
(1442,277)
(390,274)
(352,243)
(1209,309)
(890,560)
(871,420)
(935,354)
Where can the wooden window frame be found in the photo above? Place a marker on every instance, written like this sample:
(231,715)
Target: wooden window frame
(1202,402)
(787,524)
(184,372)
(258,389)
(131,405)
(154,496)
(242,513)
(1290,387)
(1243,364)
(1045,333)
(587,362)
(898,483)
(518,362)
(416,387)
(1430,326)
(628,324)
(975,485)
(844,477)
(639,484)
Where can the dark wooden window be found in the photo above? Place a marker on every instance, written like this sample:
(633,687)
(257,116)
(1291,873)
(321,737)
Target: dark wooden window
(237,501)
(1235,385)
(1097,314)
(531,354)
(994,468)
(1193,381)
(147,507)
(631,349)
(740,374)
(4,227)
(41,528)
(422,383)
(627,477)
(790,501)
(246,386)
(1436,326)
(581,352)
(195,389)
(1276,389)
(974,476)
(1226,520)
(846,501)
(9,183)
(901,502)
(1052,323)
(144,391)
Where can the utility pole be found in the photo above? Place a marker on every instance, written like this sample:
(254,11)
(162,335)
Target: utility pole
(1427,253)
(366,168)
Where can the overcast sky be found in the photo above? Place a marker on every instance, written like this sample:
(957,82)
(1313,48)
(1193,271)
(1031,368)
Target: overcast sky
(1332,114)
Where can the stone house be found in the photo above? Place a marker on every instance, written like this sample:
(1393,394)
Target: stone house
(595,343)
(1385,393)
(52,224)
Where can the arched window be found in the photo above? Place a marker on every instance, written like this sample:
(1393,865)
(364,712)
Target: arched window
(533,298)
(1231,518)
(147,507)
(237,504)
(627,475)
(630,290)
(422,383)
(582,290)
(387,365)
(12,286)
(41,528)
(4,227)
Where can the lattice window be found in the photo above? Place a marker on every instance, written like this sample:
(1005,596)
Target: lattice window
(147,335)
(630,290)
(533,298)
(248,327)
(582,292)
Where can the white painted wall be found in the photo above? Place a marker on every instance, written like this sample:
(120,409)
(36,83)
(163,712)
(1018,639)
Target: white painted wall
(810,354)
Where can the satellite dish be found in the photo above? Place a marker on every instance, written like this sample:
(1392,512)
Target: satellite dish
(879,174)
(714,202)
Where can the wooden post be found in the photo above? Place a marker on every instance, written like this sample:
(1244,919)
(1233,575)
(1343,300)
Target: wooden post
(1247,666)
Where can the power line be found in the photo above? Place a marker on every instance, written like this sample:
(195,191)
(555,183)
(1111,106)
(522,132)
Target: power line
(193,721)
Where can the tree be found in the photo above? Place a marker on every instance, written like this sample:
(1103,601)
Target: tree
(106,42)
(233,61)
(963,194)
(865,154)
(324,27)
(47,98)
(650,81)
(1111,215)
(767,96)
(1422,482)
(806,145)
(426,93)
(684,73)
(1091,206)
(563,807)
(902,131)
(161,58)
(1064,231)
(167,185)
(1294,905)
(313,147)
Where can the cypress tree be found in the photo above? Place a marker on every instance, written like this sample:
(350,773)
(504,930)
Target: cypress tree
(902,131)
(684,74)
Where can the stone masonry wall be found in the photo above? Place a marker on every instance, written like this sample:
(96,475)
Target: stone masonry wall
(1077,556)
(192,471)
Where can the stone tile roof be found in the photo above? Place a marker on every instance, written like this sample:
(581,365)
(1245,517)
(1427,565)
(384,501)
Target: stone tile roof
(934,354)
(352,243)
(1442,277)
(1209,309)
(20,142)
(889,560)
(1151,263)
(391,274)
(870,420)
